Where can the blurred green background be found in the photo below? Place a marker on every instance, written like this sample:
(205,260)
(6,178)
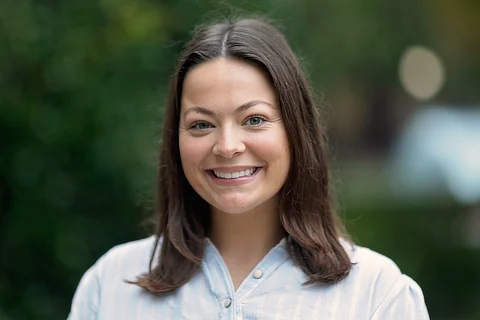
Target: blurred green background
(83,84)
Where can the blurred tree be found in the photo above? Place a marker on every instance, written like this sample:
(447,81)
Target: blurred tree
(454,28)
(79,83)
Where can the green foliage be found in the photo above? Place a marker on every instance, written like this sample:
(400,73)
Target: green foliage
(78,117)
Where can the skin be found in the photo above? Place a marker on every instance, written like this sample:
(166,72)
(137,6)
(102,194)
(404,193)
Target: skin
(230,121)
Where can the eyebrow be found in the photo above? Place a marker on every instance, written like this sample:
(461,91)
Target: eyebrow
(242,108)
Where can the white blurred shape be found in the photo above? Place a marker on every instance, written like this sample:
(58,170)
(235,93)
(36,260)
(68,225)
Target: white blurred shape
(421,72)
(439,150)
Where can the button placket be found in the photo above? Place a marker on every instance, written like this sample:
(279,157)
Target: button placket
(258,274)
(227,302)
(220,281)
(239,311)
(273,260)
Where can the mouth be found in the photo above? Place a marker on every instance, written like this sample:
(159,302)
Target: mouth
(234,175)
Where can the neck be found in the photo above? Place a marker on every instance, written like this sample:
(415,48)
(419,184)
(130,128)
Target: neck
(244,239)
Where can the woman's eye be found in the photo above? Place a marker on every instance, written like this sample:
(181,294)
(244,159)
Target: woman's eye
(201,126)
(255,121)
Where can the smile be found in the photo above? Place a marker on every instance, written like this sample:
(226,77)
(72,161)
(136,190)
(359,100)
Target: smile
(234,175)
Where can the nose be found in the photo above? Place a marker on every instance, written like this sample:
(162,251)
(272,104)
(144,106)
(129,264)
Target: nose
(229,144)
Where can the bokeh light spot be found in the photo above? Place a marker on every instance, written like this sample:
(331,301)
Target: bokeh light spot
(422,72)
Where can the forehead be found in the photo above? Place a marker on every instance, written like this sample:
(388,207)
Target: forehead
(226,82)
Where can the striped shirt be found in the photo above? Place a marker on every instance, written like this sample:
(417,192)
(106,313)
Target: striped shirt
(374,289)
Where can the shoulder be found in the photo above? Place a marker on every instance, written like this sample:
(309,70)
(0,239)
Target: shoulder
(122,262)
(137,248)
(370,267)
(105,279)
(379,278)
(131,258)
(367,261)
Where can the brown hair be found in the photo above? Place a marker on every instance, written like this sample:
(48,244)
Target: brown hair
(306,209)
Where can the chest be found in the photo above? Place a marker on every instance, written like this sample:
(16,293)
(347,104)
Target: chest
(197,300)
(272,290)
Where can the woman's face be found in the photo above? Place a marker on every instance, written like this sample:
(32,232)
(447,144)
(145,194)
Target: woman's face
(233,144)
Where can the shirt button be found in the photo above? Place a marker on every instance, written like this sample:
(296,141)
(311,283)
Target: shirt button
(258,274)
(227,302)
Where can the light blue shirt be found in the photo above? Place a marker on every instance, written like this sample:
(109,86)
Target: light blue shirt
(374,289)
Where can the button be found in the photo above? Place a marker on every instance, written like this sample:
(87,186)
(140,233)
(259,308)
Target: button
(258,274)
(227,302)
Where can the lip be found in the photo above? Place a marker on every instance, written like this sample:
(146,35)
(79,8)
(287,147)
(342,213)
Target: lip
(232,182)
(232,169)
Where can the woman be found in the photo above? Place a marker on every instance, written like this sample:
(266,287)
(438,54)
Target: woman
(246,225)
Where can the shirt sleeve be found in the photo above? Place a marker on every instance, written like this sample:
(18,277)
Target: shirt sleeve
(86,298)
(403,301)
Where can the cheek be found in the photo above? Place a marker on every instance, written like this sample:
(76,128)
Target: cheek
(192,151)
(273,148)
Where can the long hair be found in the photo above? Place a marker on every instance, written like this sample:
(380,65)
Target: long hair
(306,210)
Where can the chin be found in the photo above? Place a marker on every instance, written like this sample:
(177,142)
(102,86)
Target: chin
(233,207)
(234,210)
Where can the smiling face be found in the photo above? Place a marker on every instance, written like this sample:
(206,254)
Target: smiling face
(233,145)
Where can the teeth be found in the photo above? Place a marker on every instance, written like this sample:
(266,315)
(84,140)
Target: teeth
(234,175)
